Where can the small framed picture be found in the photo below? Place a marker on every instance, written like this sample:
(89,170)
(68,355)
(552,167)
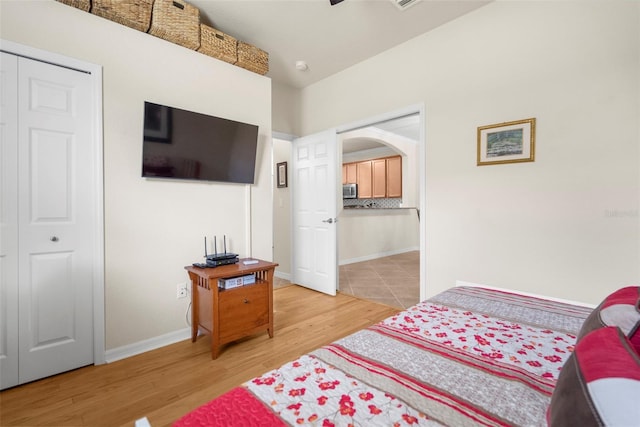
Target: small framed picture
(509,142)
(281,169)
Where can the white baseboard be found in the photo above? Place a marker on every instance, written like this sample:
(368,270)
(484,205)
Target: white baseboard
(159,341)
(147,345)
(281,275)
(377,255)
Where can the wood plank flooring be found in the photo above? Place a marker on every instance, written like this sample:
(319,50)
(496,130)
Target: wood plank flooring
(166,383)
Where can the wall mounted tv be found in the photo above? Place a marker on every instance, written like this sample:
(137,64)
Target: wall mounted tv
(182,144)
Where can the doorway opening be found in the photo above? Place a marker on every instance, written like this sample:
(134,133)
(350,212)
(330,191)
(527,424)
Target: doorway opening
(378,232)
(388,124)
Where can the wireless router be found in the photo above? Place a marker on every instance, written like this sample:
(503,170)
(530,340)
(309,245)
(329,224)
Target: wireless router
(219,258)
(216,259)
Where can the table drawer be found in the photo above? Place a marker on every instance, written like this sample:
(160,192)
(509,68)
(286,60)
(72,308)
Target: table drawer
(243,310)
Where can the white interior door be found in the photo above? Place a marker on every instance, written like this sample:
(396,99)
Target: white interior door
(314,211)
(8,220)
(55,228)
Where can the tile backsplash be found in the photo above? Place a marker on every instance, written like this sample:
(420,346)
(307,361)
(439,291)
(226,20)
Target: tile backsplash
(373,203)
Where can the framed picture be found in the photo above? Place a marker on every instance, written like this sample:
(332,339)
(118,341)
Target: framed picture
(281,168)
(157,123)
(510,142)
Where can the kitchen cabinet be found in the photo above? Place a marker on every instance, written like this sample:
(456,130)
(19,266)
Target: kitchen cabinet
(379,178)
(364,179)
(394,176)
(349,173)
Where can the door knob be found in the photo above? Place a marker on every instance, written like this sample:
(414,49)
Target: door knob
(330,220)
(54,238)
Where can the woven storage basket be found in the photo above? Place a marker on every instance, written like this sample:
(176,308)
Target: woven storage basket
(80,4)
(176,21)
(132,13)
(218,44)
(252,58)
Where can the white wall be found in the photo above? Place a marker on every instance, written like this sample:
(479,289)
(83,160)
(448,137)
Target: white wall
(153,228)
(565,225)
(286,109)
(282,212)
(366,234)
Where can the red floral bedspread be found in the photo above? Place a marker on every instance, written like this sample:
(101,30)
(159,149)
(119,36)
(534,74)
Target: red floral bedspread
(468,356)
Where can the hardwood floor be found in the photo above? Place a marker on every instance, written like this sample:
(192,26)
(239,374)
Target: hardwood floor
(166,383)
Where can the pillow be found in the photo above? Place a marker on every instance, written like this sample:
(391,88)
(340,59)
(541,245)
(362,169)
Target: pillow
(599,384)
(621,309)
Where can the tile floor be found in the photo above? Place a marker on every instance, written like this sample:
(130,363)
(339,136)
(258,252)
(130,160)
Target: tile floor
(392,280)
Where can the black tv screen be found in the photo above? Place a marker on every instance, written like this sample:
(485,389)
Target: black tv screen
(184,144)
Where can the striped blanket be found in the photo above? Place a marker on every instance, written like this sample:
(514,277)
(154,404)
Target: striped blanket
(468,356)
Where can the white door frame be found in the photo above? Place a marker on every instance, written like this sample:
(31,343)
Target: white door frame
(96,88)
(422,173)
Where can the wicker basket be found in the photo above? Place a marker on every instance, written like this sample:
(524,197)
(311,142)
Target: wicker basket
(80,4)
(252,58)
(217,44)
(176,21)
(132,13)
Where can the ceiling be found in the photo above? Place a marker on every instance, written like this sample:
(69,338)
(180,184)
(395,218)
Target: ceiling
(407,126)
(328,38)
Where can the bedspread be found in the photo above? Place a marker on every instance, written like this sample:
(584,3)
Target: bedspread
(467,356)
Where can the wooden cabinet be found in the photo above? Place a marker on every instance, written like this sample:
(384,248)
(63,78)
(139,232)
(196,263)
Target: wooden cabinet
(349,173)
(364,177)
(230,314)
(377,178)
(394,176)
(242,310)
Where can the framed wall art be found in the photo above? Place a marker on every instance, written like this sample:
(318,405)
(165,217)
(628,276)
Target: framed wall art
(509,142)
(281,176)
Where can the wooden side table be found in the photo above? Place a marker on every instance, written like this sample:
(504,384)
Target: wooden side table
(230,314)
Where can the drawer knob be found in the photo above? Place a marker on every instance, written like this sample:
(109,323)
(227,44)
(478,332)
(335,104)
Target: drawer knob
(246,301)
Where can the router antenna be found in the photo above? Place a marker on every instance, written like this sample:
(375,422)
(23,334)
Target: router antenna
(205,246)
(224,236)
(215,245)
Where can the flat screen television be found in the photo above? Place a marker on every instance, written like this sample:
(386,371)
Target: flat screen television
(186,145)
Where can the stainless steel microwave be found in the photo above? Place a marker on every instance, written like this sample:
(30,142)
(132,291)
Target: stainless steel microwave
(349,191)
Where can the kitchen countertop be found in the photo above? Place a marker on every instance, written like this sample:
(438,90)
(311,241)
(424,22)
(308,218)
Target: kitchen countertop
(379,210)
(371,208)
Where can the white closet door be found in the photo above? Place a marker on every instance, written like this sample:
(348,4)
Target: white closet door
(55,227)
(8,220)
(55,211)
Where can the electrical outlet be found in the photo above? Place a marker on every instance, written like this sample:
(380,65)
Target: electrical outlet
(182,290)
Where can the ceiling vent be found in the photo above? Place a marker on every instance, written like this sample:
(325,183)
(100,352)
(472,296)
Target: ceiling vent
(404,4)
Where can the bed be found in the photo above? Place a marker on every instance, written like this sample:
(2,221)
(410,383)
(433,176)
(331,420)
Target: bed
(467,356)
